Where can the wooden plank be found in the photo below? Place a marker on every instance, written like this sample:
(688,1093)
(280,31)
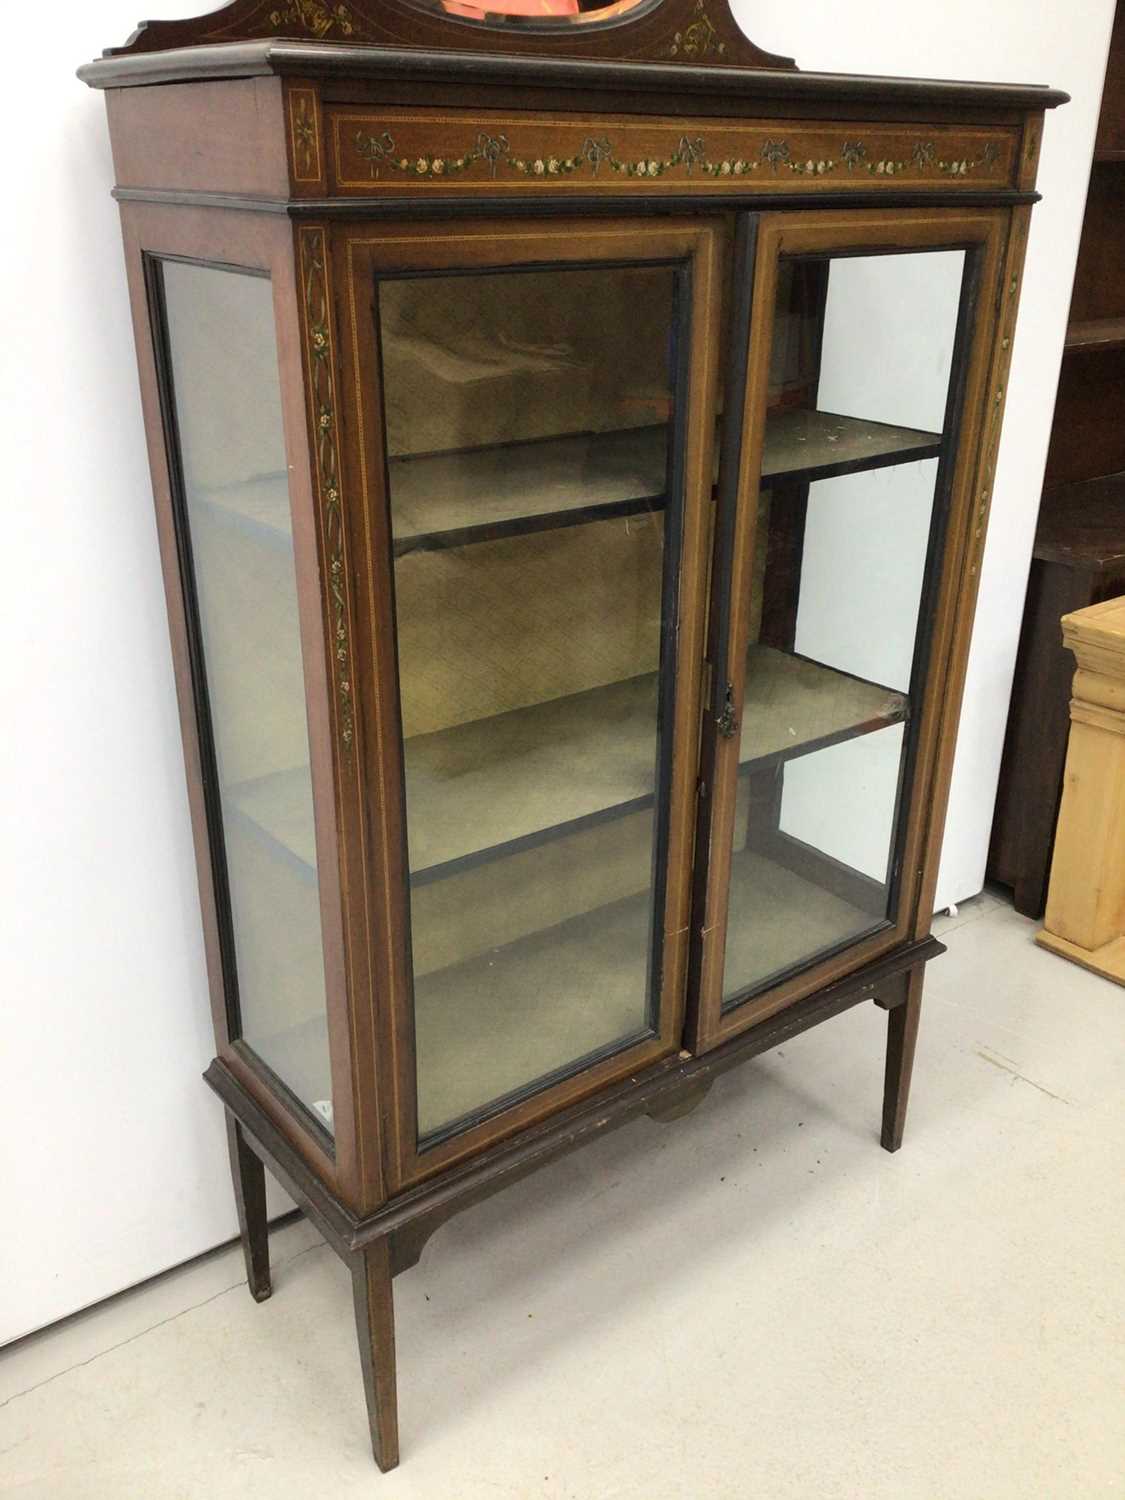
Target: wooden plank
(1096,333)
(815,444)
(452,499)
(1082,526)
(454,495)
(492,782)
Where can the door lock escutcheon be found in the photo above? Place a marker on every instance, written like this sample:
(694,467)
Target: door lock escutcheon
(727,720)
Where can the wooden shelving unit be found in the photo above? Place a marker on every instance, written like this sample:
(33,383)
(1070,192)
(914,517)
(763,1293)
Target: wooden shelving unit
(1088,431)
(1079,556)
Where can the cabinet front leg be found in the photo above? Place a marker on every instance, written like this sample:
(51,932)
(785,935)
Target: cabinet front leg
(249,1178)
(902,1034)
(375,1326)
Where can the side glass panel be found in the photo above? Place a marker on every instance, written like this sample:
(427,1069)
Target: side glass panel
(535,515)
(850,522)
(235,515)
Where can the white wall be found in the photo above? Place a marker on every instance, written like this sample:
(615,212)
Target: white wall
(112,1164)
(112,1151)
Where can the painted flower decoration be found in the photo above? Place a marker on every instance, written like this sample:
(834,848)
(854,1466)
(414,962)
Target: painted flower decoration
(853,153)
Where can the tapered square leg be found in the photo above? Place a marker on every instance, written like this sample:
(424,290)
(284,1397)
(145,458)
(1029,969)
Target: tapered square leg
(375,1327)
(249,1178)
(902,1035)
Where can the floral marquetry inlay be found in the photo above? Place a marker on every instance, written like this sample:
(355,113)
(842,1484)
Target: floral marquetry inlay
(323,412)
(305,132)
(699,40)
(316,17)
(396,150)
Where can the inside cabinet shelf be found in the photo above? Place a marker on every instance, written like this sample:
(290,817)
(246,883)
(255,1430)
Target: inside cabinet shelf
(802,444)
(439,498)
(495,785)
(479,494)
(525,1008)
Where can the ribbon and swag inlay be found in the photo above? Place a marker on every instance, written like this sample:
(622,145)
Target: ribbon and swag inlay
(598,157)
(322,396)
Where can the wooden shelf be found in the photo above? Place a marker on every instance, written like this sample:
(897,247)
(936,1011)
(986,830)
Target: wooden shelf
(453,499)
(805,445)
(1096,333)
(450,500)
(497,785)
(495,1022)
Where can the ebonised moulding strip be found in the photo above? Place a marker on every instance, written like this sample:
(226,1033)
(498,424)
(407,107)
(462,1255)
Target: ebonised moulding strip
(551,520)
(429,205)
(327,60)
(506,1163)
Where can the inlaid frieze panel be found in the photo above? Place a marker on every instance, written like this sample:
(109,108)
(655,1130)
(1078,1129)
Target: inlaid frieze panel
(394,151)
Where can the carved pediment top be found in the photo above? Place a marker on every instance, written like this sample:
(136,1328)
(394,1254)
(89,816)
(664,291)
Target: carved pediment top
(691,32)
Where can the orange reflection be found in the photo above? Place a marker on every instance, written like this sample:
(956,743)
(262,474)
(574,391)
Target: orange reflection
(486,10)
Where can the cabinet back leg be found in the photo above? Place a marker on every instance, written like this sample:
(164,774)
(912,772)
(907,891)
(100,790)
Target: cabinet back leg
(249,1178)
(375,1327)
(902,1035)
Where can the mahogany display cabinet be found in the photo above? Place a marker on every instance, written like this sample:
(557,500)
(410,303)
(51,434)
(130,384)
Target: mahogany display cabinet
(572,436)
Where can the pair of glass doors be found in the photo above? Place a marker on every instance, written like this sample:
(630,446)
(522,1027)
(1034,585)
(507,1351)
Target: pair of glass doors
(660,510)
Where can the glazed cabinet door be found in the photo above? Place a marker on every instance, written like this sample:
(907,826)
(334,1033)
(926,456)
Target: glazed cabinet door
(535,413)
(856,383)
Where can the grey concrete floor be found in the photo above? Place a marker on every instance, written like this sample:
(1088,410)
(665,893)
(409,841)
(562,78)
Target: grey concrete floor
(753,1301)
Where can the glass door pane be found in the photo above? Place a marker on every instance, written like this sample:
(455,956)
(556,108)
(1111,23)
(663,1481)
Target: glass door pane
(237,539)
(534,499)
(854,482)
